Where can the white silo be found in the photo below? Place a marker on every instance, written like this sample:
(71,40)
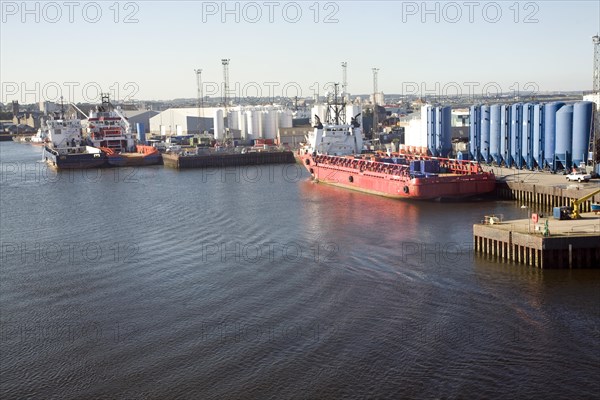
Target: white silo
(270,124)
(252,119)
(232,119)
(351,111)
(285,118)
(261,123)
(219,125)
(320,110)
(241,117)
(179,130)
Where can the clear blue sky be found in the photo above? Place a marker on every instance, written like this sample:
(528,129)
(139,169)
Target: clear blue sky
(497,44)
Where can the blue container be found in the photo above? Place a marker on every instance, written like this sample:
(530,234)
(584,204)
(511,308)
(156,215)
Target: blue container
(550,110)
(505,135)
(430,166)
(474,132)
(527,134)
(141,133)
(444,138)
(515,134)
(582,128)
(485,133)
(538,135)
(415,167)
(564,136)
(495,125)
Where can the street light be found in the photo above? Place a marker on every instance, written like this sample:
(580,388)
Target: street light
(528,219)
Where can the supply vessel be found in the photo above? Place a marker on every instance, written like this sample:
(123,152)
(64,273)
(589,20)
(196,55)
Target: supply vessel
(110,131)
(333,154)
(65,148)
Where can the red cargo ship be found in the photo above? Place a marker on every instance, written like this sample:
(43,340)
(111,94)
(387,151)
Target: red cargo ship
(332,155)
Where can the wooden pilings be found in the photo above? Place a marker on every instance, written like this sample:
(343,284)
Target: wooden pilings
(535,250)
(543,195)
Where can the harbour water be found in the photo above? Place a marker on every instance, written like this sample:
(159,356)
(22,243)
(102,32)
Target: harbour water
(254,282)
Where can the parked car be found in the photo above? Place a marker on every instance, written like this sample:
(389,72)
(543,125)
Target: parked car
(579,176)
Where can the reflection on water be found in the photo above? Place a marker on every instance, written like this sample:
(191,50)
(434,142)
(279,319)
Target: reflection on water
(211,284)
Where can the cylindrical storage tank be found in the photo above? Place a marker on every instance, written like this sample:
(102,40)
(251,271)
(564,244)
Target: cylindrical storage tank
(527,134)
(474,132)
(538,135)
(289,119)
(141,133)
(241,117)
(432,114)
(564,136)
(232,119)
(495,125)
(515,134)
(505,135)
(550,110)
(318,109)
(444,140)
(484,144)
(252,124)
(582,128)
(351,111)
(219,125)
(270,127)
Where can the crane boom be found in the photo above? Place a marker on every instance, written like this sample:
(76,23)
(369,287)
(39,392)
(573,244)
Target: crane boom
(575,203)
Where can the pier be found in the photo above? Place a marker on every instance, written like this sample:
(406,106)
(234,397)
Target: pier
(568,244)
(547,243)
(227,160)
(540,188)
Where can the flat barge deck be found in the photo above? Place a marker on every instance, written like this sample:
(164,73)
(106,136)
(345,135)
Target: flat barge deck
(227,160)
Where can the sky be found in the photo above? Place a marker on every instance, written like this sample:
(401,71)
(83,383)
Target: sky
(148,50)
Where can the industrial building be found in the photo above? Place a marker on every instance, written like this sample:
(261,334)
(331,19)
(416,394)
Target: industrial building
(248,123)
(141,117)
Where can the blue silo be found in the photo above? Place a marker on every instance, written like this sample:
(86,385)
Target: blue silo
(515,135)
(564,136)
(495,125)
(527,134)
(538,135)
(484,144)
(505,134)
(582,127)
(141,132)
(550,110)
(444,137)
(474,132)
(431,127)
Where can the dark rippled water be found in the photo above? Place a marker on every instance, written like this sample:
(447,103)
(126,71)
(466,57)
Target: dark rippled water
(257,283)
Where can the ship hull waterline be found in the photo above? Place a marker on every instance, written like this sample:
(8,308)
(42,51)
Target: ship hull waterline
(444,186)
(74,161)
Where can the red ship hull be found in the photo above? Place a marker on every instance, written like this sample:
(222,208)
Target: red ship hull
(463,179)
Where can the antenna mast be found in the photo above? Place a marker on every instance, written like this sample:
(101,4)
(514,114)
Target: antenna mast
(200,99)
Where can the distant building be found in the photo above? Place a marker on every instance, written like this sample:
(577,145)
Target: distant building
(140,117)
(182,121)
(31,119)
(292,137)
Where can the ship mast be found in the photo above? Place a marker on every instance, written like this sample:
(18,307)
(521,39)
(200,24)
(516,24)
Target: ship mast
(336,111)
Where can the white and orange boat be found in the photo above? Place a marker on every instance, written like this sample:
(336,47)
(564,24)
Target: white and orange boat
(110,131)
